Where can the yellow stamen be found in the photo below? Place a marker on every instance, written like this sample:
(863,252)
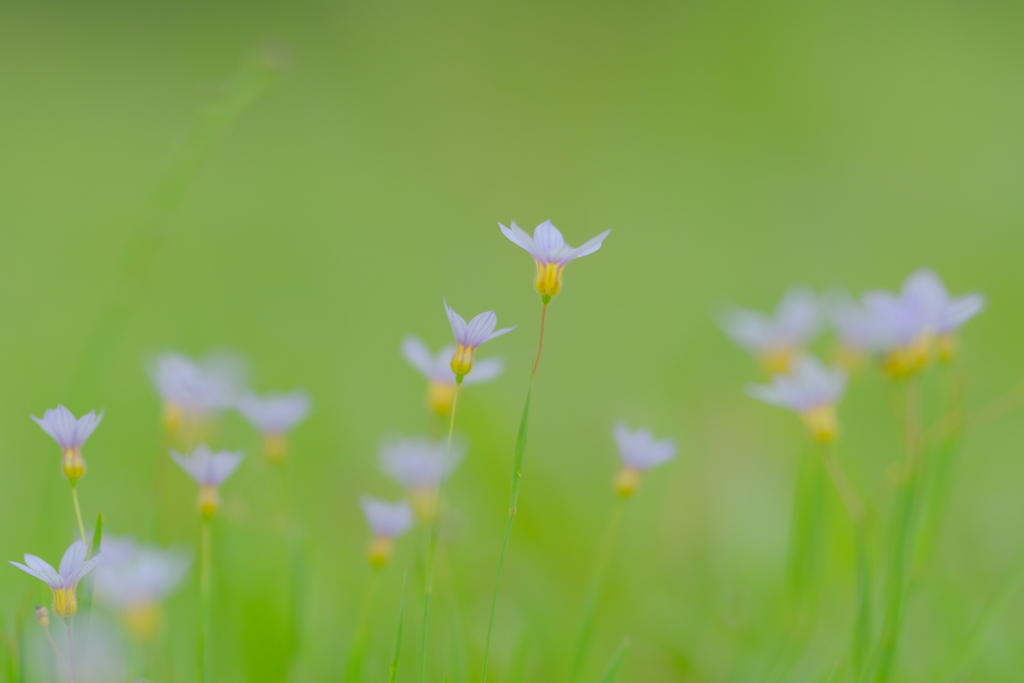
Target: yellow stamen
(72,464)
(549,278)
(173,416)
(43,616)
(627,481)
(209,501)
(947,346)
(424,503)
(462,361)
(65,604)
(143,621)
(275,447)
(822,423)
(440,396)
(907,360)
(778,361)
(381,549)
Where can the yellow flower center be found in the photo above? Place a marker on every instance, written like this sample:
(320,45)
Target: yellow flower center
(381,549)
(209,501)
(627,481)
(849,358)
(549,278)
(143,620)
(65,604)
(909,359)
(947,346)
(778,360)
(275,447)
(424,503)
(440,396)
(72,464)
(822,423)
(173,416)
(462,361)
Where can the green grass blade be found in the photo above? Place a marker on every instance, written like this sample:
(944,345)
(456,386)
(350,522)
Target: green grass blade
(611,672)
(863,626)
(90,580)
(396,649)
(517,673)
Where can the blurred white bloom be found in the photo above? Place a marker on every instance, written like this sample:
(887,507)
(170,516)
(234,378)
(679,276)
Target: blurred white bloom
(135,579)
(639,452)
(437,368)
(387,521)
(418,465)
(468,337)
(809,389)
(776,339)
(63,582)
(70,434)
(193,390)
(856,329)
(274,415)
(209,469)
(550,253)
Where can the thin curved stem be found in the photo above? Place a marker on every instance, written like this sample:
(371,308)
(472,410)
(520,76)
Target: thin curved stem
(205,600)
(60,657)
(360,639)
(434,533)
(78,512)
(71,649)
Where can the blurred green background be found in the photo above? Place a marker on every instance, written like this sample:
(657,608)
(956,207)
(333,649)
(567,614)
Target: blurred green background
(734,149)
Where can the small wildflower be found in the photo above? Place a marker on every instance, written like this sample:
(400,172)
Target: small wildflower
(856,329)
(550,253)
(438,371)
(809,389)
(387,521)
(777,339)
(63,582)
(209,470)
(468,337)
(274,415)
(69,433)
(418,464)
(639,452)
(194,390)
(135,579)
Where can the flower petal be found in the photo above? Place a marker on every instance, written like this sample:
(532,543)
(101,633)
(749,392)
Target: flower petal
(588,247)
(521,238)
(549,241)
(73,558)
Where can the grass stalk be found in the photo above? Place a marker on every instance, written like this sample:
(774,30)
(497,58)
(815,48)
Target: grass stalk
(78,511)
(361,637)
(611,672)
(435,527)
(396,648)
(205,598)
(71,650)
(517,476)
(597,574)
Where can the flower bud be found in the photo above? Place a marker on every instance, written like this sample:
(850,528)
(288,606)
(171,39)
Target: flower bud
(43,616)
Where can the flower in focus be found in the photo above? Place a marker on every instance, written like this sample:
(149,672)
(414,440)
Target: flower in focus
(639,452)
(922,313)
(135,579)
(468,337)
(209,469)
(193,391)
(437,368)
(274,415)
(63,582)
(69,433)
(809,389)
(418,465)
(387,521)
(550,253)
(779,338)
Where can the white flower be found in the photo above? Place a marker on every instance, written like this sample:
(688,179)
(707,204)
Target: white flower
(275,413)
(550,253)
(468,337)
(777,338)
(209,470)
(809,389)
(419,463)
(639,450)
(63,582)
(387,520)
(133,576)
(198,386)
(69,433)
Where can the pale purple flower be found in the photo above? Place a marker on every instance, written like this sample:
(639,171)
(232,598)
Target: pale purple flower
(69,433)
(547,246)
(386,520)
(795,322)
(206,467)
(438,367)
(856,328)
(809,385)
(132,575)
(418,463)
(275,413)
(639,450)
(62,581)
(468,337)
(203,386)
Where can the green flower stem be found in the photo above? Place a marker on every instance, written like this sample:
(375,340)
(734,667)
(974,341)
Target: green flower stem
(361,637)
(78,511)
(517,476)
(205,598)
(434,533)
(611,673)
(396,648)
(597,574)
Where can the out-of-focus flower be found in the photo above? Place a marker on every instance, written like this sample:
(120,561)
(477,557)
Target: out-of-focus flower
(192,391)
(209,469)
(274,415)
(387,521)
(418,464)
(857,331)
(779,338)
(550,253)
(63,582)
(437,368)
(639,452)
(468,337)
(809,389)
(135,579)
(922,312)
(70,434)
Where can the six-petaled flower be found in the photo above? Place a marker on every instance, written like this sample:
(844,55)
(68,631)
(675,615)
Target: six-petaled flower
(387,521)
(209,469)
(62,581)
(418,464)
(470,336)
(776,339)
(639,451)
(437,369)
(811,390)
(274,415)
(69,433)
(550,253)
